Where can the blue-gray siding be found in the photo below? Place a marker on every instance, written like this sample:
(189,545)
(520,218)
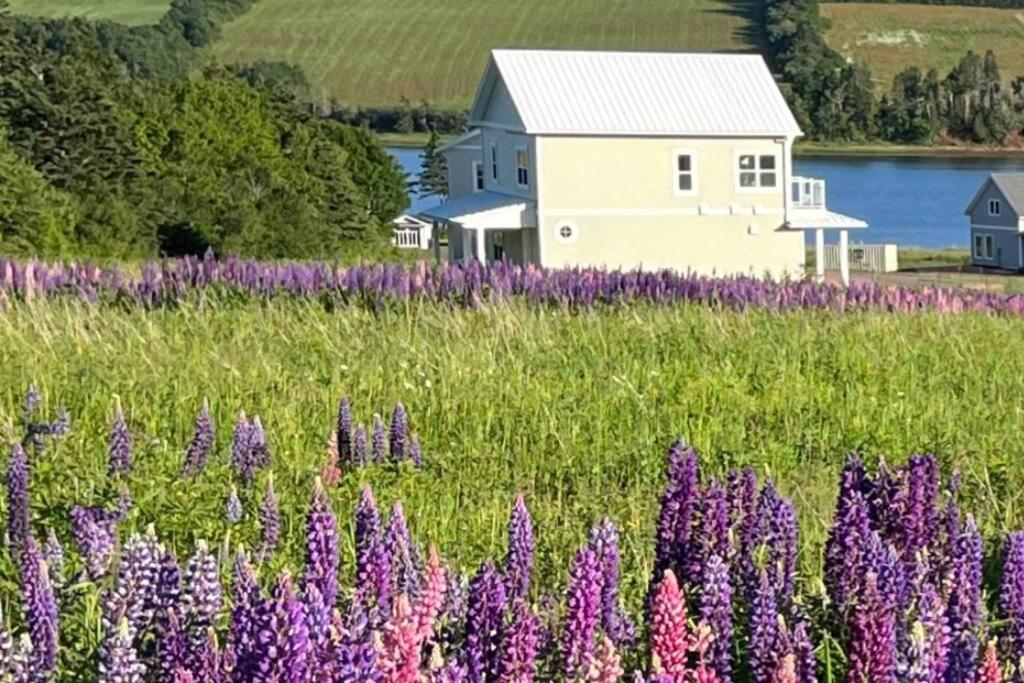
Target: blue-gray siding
(1006,245)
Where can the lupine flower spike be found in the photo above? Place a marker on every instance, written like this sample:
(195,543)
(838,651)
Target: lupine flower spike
(202,442)
(120,451)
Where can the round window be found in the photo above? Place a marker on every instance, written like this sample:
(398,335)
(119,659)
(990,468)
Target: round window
(566,232)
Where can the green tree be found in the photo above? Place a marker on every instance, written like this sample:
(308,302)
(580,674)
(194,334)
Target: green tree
(433,178)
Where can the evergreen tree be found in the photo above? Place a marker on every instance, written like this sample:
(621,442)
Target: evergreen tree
(433,178)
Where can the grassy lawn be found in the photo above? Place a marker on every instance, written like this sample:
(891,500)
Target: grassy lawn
(376,51)
(576,410)
(123,11)
(892,37)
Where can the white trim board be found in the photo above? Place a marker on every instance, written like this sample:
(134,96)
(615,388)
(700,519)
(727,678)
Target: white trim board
(703,210)
(1006,228)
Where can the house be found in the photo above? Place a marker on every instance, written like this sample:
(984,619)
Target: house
(410,232)
(633,160)
(996,222)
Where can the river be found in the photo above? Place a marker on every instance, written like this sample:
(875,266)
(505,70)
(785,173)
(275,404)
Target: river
(911,201)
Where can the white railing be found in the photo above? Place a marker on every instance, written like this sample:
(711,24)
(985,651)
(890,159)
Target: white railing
(874,258)
(807,193)
(407,238)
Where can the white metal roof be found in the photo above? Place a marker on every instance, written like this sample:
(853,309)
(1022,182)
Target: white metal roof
(486,210)
(638,93)
(800,219)
(467,139)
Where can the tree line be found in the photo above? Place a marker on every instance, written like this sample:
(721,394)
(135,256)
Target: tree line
(113,148)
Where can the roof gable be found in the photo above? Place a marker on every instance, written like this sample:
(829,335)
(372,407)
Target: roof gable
(636,93)
(1010,185)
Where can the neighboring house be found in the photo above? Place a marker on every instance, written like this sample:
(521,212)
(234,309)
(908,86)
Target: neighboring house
(411,232)
(996,225)
(632,160)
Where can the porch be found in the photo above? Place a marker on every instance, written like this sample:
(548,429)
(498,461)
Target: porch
(488,226)
(806,209)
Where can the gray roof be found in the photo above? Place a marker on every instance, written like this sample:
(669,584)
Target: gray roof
(1011,185)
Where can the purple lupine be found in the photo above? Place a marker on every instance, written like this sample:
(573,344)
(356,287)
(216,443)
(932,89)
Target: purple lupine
(40,609)
(133,595)
(379,440)
(172,649)
(872,648)
(920,520)
(17,497)
(282,647)
(355,653)
(201,599)
(781,541)
(1011,598)
(616,623)
(119,663)
(95,535)
(373,561)
(416,452)
(742,493)
(33,399)
(846,549)
(714,538)
(317,613)
(763,655)
(405,561)
(321,568)
(241,459)
(398,435)
(120,449)
(245,596)
(882,559)
(360,450)
(483,624)
(716,612)
(270,521)
(581,613)
(519,557)
(233,507)
(803,651)
(53,551)
(965,612)
(202,441)
(259,448)
(926,653)
(678,507)
(344,432)
(519,646)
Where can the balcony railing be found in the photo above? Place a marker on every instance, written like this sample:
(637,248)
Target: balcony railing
(407,238)
(807,193)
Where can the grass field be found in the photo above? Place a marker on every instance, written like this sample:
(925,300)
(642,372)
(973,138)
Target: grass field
(132,12)
(376,51)
(576,410)
(891,38)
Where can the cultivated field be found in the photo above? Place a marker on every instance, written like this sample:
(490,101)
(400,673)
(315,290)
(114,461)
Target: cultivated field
(123,11)
(891,38)
(376,51)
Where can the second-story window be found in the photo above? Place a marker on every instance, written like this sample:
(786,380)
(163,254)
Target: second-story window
(685,173)
(758,171)
(522,167)
(478,176)
(494,161)
(994,207)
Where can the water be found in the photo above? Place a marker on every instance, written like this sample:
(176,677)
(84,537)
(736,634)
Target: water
(911,201)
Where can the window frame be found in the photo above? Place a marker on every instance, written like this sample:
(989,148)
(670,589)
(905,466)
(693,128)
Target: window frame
(984,246)
(494,161)
(574,230)
(979,243)
(479,177)
(758,188)
(693,172)
(990,247)
(997,205)
(522,171)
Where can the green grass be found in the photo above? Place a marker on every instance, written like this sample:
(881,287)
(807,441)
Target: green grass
(890,38)
(132,12)
(376,51)
(576,410)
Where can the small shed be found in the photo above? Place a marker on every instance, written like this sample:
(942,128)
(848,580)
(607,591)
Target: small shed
(996,226)
(412,233)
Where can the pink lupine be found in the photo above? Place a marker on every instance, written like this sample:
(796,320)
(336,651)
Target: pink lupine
(989,672)
(670,640)
(702,641)
(606,665)
(398,651)
(331,473)
(786,673)
(427,607)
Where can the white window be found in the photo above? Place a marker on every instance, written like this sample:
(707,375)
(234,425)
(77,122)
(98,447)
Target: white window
(989,247)
(984,247)
(478,176)
(757,171)
(995,207)
(522,167)
(566,232)
(494,161)
(684,172)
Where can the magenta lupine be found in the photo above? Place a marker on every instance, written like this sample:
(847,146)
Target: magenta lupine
(39,605)
(399,655)
(989,671)
(270,521)
(965,612)
(120,449)
(428,606)
(202,441)
(678,508)
(763,655)
(669,633)
(483,624)
(872,648)
(360,449)
(379,440)
(94,535)
(616,623)
(322,560)
(1011,599)
(201,599)
(282,639)
(373,561)
(119,662)
(519,646)
(343,431)
(519,557)
(405,560)
(17,496)
(581,613)
(233,507)
(716,611)
(398,435)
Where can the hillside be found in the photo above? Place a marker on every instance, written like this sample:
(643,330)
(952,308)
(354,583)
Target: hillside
(132,12)
(376,51)
(891,38)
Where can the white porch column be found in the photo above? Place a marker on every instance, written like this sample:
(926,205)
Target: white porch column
(819,254)
(844,257)
(435,237)
(467,246)
(481,254)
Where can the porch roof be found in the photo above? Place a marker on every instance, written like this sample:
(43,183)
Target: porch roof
(486,210)
(803,219)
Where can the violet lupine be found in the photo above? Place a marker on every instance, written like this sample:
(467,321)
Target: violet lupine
(318,614)
(803,650)
(920,519)
(483,624)
(519,557)
(927,644)
(245,596)
(716,611)
(405,561)
(270,521)
(201,599)
(581,613)
(17,497)
(742,494)
(872,648)
(669,633)
(95,536)
(15,659)
(343,432)
(355,652)
(763,655)
(519,646)
(322,547)
(119,662)
(373,561)
(202,441)
(1011,599)
(282,647)
(782,540)
(241,459)
(604,540)
(233,507)
(416,452)
(40,608)
(360,449)
(398,435)
(965,612)
(53,551)
(133,595)
(120,450)
(379,440)
(33,400)
(259,447)
(846,549)
(678,507)
(714,527)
